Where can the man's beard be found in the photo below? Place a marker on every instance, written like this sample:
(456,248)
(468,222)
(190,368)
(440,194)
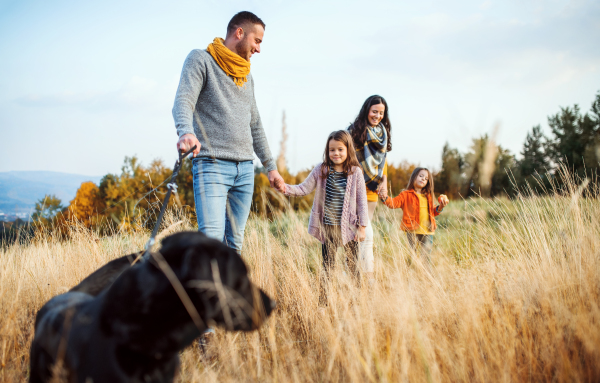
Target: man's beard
(243,49)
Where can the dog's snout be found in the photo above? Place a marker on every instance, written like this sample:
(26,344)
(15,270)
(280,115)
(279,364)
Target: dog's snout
(273,304)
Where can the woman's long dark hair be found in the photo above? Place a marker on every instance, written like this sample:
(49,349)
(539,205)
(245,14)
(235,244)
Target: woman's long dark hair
(359,127)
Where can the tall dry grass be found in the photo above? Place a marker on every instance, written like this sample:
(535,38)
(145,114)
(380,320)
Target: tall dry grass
(513,295)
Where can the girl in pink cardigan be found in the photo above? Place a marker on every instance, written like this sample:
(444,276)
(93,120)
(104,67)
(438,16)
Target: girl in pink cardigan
(339,214)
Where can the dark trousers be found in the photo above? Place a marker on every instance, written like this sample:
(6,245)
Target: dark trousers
(421,244)
(333,240)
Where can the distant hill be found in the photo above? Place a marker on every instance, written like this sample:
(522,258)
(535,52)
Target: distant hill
(19,191)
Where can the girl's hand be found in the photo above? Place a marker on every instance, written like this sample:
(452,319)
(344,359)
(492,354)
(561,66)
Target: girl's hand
(443,200)
(382,185)
(361,234)
(383,193)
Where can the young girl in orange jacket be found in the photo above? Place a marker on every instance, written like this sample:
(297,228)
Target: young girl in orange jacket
(418,215)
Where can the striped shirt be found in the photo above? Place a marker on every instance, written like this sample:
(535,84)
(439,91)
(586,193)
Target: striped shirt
(335,190)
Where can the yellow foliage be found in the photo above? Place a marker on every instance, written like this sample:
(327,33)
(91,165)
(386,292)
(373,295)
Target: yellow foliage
(86,204)
(399,175)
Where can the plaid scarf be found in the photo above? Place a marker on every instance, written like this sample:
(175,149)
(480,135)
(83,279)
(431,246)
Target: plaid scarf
(372,156)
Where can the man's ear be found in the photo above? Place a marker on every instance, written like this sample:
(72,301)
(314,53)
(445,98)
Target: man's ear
(239,33)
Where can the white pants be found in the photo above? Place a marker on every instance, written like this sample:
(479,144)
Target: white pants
(366,247)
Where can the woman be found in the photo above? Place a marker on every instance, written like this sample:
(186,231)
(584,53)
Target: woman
(371,133)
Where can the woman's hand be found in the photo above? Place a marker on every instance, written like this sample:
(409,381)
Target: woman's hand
(382,184)
(361,234)
(383,193)
(443,200)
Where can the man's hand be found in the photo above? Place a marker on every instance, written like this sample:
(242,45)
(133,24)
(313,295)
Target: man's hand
(361,234)
(186,142)
(276,181)
(443,200)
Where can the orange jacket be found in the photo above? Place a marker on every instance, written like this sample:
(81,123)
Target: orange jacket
(409,203)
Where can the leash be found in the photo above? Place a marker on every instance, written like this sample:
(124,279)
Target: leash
(171,188)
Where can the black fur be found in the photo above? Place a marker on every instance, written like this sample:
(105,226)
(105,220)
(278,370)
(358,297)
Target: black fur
(127,324)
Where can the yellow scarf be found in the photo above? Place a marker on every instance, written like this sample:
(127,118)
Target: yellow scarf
(233,64)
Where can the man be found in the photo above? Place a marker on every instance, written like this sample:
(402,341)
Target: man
(215,110)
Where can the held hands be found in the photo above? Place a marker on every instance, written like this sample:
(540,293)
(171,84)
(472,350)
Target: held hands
(276,181)
(383,194)
(382,185)
(361,234)
(186,142)
(443,200)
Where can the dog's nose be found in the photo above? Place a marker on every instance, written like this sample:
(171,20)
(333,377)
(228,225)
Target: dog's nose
(273,304)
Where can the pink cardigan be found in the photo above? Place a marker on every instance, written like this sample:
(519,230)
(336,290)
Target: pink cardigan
(354,211)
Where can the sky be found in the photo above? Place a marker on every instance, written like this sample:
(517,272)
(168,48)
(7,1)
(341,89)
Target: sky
(85,84)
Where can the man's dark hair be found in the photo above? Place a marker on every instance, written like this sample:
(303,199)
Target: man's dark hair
(243,18)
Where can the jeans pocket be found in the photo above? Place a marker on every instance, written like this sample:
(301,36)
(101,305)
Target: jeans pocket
(204,160)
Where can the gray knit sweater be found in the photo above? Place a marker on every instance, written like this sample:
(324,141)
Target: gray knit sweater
(223,116)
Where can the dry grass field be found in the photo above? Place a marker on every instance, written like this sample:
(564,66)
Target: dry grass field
(513,295)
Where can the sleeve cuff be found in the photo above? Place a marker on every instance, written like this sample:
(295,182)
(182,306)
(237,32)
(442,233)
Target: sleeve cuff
(270,165)
(181,132)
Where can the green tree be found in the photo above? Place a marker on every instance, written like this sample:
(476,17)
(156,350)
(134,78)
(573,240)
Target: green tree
(576,138)
(534,164)
(472,165)
(534,158)
(47,208)
(504,167)
(450,179)
(591,154)
(487,168)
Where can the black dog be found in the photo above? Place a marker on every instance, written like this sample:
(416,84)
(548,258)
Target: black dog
(128,323)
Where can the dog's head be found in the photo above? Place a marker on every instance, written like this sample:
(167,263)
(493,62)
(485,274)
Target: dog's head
(216,279)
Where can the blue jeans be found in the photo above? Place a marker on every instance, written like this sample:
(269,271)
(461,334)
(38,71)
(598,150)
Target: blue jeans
(223,196)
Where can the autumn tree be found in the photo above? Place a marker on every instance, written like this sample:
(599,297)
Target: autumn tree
(136,195)
(399,175)
(87,205)
(261,186)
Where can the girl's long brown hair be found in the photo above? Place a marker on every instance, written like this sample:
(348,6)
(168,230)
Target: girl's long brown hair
(428,189)
(344,137)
